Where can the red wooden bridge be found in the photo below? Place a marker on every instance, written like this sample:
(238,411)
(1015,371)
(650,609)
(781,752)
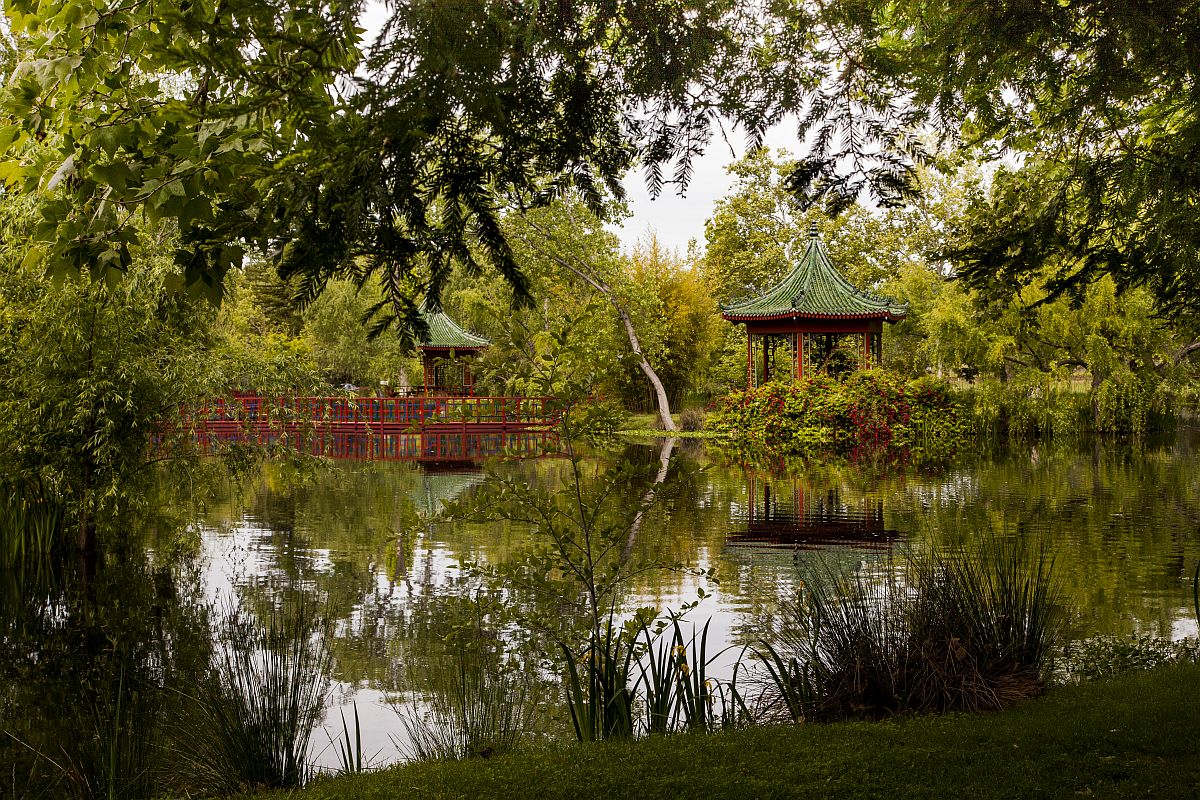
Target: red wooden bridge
(433,429)
(251,415)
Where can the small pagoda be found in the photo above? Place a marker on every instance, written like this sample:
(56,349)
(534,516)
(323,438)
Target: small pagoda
(811,321)
(446,354)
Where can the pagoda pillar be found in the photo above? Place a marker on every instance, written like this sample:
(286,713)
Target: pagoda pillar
(749,360)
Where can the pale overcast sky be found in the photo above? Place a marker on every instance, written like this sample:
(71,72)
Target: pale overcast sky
(677,220)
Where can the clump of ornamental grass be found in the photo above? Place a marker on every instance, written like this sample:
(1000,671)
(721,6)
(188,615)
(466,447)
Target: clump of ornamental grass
(264,695)
(478,707)
(966,631)
(691,420)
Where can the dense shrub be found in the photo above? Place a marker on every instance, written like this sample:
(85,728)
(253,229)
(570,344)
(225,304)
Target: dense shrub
(1041,406)
(866,413)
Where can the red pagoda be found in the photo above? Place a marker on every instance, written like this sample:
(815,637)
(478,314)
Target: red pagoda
(812,320)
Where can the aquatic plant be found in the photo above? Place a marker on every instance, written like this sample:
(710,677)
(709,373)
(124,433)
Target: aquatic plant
(597,685)
(968,631)
(672,690)
(1105,656)
(27,529)
(349,749)
(262,698)
(477,709)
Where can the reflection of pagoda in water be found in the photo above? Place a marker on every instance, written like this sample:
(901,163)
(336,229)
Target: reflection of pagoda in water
(439,488)
(791,513)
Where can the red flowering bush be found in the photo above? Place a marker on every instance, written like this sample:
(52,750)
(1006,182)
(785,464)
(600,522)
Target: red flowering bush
(868,413)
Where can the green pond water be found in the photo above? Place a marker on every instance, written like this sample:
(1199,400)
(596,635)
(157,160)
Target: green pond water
(361,538)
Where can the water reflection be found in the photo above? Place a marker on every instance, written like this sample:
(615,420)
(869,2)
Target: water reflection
(427,447)
(361,538)
(793,512)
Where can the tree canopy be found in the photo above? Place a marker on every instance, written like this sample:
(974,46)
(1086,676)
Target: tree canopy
(1098,103)
(269,126)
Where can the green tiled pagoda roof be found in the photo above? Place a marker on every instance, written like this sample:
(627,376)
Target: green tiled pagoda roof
(815,289)
(446,333)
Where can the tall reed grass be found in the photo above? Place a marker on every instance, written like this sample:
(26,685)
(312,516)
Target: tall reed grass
(28,530)
(967,631)
(264,695)
(478,708)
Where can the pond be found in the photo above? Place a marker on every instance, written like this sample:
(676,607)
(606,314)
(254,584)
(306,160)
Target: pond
(363,538)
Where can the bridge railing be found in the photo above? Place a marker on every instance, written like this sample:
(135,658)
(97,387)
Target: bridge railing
(376,413)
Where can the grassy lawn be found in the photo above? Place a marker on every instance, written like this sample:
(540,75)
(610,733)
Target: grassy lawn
(646,425)
(1134,736)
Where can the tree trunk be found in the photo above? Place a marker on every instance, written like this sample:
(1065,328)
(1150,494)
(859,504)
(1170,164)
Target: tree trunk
(660,392)
(584,274)
(1185,351)
(664,462)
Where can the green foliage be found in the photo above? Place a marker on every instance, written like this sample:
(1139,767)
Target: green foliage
(596,419)
(870,412)
(29,530)
(788,694)
(170,113)
(334,330)
(1125,404)
(1030,407)
(756,231)
(1106,656)
(1038,405)
(672,307)
(584,555)
(1097,98)
(253,354)
(90,374)
(467,110)
(589,290)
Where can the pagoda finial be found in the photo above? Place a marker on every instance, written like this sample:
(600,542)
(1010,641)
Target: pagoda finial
(812,229)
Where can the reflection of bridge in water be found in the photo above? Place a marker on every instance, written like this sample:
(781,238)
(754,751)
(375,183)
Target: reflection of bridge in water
(451,449)
(792,513)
